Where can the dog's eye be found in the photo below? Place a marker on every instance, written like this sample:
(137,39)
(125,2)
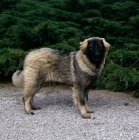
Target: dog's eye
(90,48)
(100,46)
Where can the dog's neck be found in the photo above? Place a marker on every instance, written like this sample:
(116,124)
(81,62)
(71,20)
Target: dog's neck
(86,66)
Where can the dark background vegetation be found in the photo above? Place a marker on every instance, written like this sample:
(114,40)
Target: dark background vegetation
(62,24)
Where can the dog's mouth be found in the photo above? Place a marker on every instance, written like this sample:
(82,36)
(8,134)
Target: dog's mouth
(96,59)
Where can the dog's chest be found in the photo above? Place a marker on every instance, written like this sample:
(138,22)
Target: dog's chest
(83,78)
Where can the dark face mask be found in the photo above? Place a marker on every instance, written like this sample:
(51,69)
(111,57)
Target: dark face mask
(95,51)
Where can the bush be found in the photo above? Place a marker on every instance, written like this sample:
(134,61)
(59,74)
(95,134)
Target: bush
(118,78)
(62,24)
(10,60)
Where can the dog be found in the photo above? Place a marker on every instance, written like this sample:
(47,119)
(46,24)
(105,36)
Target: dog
(78,69)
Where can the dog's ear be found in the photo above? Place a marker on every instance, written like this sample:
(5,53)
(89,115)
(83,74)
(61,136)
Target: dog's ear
(83,46)
(106,44)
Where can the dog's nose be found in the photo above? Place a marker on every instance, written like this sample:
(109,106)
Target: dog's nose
(96,54)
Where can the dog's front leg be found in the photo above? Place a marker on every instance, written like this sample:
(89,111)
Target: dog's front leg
(79,100)
(88,109)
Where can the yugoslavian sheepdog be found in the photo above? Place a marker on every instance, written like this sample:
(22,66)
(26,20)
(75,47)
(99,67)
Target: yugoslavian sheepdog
(78,69)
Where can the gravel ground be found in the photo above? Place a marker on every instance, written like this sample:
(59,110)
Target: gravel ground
(116,116)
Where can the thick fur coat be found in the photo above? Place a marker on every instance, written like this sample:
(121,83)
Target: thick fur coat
(79,69)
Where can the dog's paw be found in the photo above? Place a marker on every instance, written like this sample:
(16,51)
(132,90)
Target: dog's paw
(35,108)
(86,116)
(90,111)
(32,113)
(29,112)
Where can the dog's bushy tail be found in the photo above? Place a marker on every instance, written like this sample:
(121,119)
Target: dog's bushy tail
(18,78)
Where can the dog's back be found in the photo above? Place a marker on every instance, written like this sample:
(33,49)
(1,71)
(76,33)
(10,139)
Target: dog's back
(50,64)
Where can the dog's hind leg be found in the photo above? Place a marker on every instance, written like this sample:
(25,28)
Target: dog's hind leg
(29,93)
(33,106)
(32,83)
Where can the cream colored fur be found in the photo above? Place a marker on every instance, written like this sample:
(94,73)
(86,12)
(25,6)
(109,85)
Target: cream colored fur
(18,78)
(83,44)
(85,65)
(44,65)
(83,62)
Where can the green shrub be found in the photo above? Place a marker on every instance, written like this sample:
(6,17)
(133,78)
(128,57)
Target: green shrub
(118,78)
(10,60)
(62,24)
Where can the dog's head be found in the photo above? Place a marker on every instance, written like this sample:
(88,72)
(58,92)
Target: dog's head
(95,49)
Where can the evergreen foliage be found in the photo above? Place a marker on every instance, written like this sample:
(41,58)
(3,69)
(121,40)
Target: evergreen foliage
(62,24)
(11,59)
